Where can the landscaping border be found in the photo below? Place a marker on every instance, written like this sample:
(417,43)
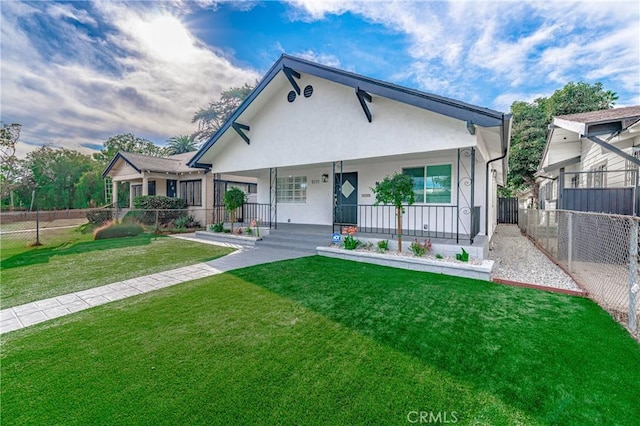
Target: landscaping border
(458,269)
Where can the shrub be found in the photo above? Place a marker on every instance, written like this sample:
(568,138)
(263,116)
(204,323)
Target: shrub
(158,202)
(98,217)
(117,231)
(420,249)
(383,245)
(217,227)
(185,222)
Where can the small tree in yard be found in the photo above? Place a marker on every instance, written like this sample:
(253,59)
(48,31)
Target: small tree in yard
(233,200)
(395,190)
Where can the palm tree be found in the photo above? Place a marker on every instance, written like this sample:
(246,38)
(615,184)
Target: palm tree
(181,144)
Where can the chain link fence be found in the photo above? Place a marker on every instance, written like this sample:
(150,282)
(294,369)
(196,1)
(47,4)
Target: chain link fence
(25,228)
(600,251)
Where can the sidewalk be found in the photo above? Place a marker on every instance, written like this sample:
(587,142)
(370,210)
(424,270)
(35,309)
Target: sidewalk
(21,316)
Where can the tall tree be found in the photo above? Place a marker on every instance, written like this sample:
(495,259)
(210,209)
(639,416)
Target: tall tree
(531,122)
(89,189)
(211,118)
(11,170)
(181,144)
(128,143)
(54,173)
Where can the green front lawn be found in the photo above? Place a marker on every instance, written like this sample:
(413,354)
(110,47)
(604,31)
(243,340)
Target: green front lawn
(324,341)
(43,272)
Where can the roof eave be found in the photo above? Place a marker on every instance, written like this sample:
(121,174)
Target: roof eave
(113,163)
(449,107)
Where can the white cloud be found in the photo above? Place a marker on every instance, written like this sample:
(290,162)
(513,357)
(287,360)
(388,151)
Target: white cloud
(456,45)
(320,58)
(156,81)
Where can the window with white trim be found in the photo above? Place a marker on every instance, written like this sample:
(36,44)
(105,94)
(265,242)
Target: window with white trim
(191,192)
(431,184)
(292,189)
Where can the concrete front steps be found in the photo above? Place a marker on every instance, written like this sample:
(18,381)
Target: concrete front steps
(300,239)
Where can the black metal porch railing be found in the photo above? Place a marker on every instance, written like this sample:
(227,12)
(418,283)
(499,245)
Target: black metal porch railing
(425,221)
(244,214)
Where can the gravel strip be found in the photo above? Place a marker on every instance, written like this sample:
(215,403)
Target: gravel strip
(518,259)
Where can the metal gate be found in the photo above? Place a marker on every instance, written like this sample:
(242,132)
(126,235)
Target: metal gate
(508,210)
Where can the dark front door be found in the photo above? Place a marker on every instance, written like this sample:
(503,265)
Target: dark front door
(172,188)
(346,198)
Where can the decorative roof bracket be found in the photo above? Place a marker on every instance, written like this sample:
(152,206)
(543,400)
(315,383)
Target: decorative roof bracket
(290,73)
(362,96)
(239,128)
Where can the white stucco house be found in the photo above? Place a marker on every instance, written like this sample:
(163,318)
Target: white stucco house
(317,139)
(590,162)
(172,177)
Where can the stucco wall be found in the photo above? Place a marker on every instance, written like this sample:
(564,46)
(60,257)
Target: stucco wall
(331,126)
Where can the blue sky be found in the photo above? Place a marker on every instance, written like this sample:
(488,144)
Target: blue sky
(75,73)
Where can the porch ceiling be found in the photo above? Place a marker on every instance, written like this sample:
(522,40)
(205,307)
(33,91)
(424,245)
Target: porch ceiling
(346,163)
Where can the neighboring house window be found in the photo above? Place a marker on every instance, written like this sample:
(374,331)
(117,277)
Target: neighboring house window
(136,190)
(597,178)
(292,189)
(431,184)
(253,188)
(575,181)
(631,169)
(191,192)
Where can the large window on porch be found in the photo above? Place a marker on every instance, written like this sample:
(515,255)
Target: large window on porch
(431,184)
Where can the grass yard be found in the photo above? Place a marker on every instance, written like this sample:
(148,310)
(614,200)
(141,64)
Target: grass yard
(328,342)
(42,272)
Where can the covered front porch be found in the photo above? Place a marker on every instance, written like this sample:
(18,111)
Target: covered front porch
(449,197)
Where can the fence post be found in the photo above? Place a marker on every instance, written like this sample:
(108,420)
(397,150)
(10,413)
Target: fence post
(570,242)
(548,219)
(37,227)
(157,224)
(633,273)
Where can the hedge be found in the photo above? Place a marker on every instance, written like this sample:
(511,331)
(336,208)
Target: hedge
(158,202)
(98,217)
(117,231)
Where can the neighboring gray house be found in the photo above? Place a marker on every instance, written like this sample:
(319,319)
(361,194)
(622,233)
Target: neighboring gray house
(591,161)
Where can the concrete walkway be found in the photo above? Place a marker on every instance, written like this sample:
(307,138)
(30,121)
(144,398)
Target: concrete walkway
(18,317)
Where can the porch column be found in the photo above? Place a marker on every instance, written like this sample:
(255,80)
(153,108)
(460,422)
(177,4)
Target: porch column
(273,197)
(130,195)
(145,184)
(114,193)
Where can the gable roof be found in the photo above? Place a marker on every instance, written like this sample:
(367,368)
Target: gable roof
(472,114)
(570,128)
(614,114)
(140,162)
